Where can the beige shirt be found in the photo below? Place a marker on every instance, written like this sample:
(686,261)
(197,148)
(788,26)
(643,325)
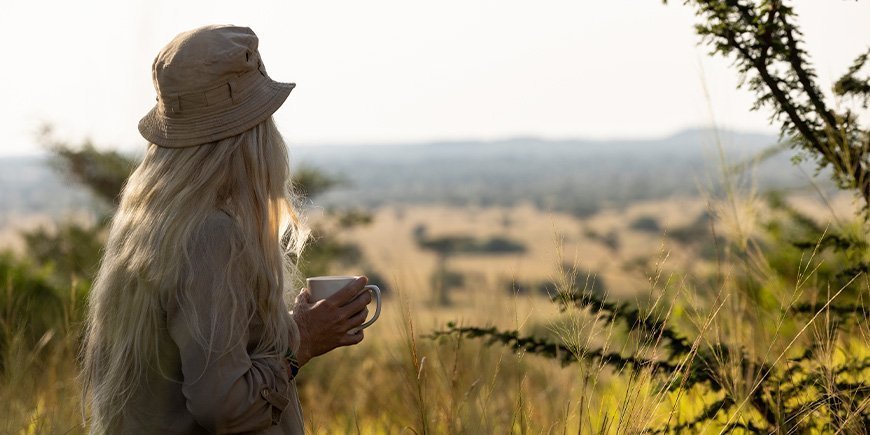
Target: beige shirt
(201,390)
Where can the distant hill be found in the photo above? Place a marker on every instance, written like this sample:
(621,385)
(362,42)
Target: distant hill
(577,176)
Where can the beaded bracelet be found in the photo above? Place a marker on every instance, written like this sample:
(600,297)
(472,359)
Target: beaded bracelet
(290,356)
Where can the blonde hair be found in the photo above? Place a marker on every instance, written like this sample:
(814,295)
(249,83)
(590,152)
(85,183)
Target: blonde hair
(163,207)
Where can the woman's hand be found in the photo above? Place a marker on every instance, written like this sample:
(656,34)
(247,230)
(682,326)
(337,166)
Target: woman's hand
(323,325)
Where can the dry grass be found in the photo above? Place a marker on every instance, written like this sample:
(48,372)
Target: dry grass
(398,381)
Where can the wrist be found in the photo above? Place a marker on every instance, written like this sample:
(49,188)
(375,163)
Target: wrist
(302,356)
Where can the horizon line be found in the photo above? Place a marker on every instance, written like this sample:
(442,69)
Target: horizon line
(39,152)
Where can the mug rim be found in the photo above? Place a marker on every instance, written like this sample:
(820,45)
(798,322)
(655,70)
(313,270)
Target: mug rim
(332,278)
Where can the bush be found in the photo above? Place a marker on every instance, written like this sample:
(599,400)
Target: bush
(647,224)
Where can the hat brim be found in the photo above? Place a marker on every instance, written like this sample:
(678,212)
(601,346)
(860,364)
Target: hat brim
(181,132)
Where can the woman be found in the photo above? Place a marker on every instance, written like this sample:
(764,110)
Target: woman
(188,328)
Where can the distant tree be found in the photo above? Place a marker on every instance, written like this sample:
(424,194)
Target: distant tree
(446,247)
(611,240)
(500,245)
(647,224)
(309,182)
(101,172)
(584,208)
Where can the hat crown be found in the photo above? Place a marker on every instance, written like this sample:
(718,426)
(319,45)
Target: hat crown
(211,85)
(205,57)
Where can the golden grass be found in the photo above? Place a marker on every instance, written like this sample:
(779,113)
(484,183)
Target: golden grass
(399,381)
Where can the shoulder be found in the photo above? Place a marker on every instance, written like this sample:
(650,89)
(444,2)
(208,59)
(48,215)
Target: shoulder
(215,231)
(218,220)
(207,254)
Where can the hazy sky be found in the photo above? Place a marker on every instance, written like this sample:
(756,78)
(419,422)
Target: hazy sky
(402,70)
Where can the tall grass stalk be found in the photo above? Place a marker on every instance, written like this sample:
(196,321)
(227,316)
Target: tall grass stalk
(415,377)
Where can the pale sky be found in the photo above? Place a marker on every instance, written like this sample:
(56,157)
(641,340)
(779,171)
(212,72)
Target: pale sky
(390,71)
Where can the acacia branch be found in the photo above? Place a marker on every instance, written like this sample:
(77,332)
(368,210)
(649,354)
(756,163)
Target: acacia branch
(809,88)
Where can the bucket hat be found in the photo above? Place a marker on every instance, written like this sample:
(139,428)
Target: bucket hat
(211,84)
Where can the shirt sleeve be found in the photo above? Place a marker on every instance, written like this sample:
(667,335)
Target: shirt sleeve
(226,390)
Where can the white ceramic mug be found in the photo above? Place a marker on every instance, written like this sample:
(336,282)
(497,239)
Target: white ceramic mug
(322,287)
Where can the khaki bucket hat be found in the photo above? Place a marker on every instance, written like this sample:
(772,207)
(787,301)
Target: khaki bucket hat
(211,84)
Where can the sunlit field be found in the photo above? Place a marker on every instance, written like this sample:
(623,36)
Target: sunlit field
(402,379)
(461,385)
(567,238)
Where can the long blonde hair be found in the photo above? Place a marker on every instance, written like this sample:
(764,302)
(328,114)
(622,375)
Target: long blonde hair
(163,206)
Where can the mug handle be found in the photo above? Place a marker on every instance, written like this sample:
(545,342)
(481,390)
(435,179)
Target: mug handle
(377,292)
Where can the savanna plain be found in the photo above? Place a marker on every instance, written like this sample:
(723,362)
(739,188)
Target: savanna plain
(695,310)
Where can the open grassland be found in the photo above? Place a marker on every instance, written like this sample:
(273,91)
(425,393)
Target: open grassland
(459,385)
(611,245)
(403,380)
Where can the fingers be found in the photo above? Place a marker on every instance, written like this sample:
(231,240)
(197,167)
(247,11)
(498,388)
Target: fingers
(348,292)
(357,319)
(351,339)
(356,305)
(304,296)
